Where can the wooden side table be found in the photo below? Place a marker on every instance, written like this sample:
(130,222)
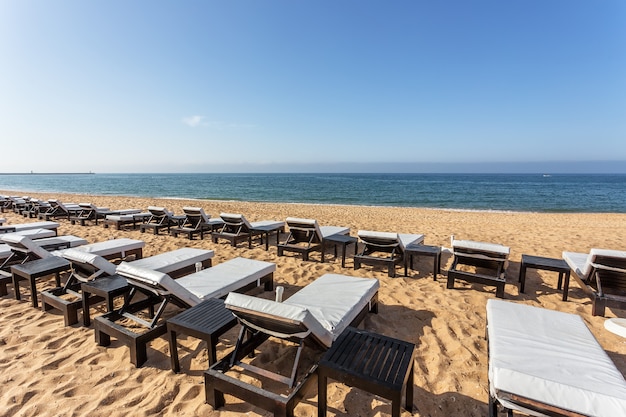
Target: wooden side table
(372,362)
(422,250)
(105,288)
(344,241)
(207,321)
(31,271)
(546,264)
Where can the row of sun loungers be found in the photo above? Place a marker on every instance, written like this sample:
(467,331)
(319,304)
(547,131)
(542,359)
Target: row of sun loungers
(531,363)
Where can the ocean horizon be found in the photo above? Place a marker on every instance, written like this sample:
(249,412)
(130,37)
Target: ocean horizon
(568,193)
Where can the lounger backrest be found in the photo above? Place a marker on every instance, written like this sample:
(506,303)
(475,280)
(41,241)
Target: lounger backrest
(24,244)
(282,320)
(487,250)
(89,261)
(234,219)
(305,225)
(157,282)
(379,239)
(196,212)
(159,211)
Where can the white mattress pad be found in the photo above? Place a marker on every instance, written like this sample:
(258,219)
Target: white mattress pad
(108,247)
(551,357)
(326,306)
(214,282)
(174,260)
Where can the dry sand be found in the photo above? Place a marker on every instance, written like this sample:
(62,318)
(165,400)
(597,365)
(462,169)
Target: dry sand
(47,369)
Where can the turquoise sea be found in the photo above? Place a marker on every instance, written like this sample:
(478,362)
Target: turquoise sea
(510,192)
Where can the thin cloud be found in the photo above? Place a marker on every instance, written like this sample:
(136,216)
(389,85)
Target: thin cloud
(194,121)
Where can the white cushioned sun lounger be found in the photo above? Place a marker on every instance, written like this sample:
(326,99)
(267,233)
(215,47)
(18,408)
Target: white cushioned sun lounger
(5,250)
(39,248)
(490,256)
(237,228)
(196,222)
(543,361)
(214,282)
(384,248)
(29,226)
(602,276)
(111,249)
(316,314)
(238,274)
(306,236)
(89,265)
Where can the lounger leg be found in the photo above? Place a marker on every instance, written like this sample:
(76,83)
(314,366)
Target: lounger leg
(174,352)
(102,339)
(450,283)
(598,307)
(500,290)
(493,407)
(409,391)
(214,397)
(138,353)
(321,395)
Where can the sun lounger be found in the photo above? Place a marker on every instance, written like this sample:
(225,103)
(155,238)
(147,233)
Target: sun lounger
(488,259)
(25,250)
(33,234)
(121,220)
(160,218)
(59,209)
(196,223)
(548,363)
(384,248)
(315,315)
(10,228)
(236,228)
(87,212)
(306,236)
(33,207)
(238,274)
(602,275)
(96,262)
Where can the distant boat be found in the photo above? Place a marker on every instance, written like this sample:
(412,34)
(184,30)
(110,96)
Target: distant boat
(546,175)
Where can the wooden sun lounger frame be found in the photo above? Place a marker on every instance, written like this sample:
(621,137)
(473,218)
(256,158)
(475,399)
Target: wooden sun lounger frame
(371,245)
(235,232)
(217,382)
(193,224)
(70,308)
(57,210)
(605,284)
(479,259)
(159,221)
(106,325)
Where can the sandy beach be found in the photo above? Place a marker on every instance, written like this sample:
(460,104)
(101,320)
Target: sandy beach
(48,369)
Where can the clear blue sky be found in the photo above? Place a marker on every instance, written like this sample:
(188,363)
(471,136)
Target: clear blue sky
(254,85)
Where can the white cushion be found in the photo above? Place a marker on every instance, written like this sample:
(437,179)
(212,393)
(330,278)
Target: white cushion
(236,218)
(97,261)
(219,280)
(273,223)
(578,263)
(34,225)
(109,247)
(214,282)
(34,233)
(481,247)
(582,263)
(326,306)
(551,357)
(195,211)
(403,239)
(174,260)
